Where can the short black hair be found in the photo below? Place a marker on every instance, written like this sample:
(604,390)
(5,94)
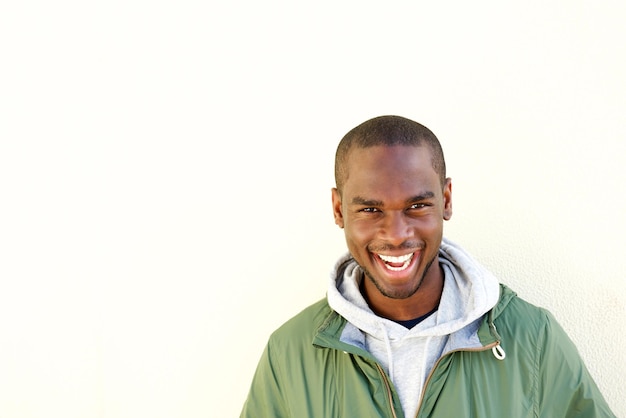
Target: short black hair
(388,131)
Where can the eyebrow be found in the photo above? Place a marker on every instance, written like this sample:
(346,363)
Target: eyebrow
(361,201)
(420,197)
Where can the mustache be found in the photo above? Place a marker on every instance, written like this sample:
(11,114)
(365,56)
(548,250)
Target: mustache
(407,245)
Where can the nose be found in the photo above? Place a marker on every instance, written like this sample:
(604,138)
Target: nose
(396,229)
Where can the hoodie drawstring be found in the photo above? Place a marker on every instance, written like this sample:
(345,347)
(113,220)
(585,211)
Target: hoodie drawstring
(497,350)
(388,346)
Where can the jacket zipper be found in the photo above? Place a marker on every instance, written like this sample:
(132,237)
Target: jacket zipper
(388,387)
(432,371)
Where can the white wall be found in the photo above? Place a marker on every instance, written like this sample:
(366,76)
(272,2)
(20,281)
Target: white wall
(165,175)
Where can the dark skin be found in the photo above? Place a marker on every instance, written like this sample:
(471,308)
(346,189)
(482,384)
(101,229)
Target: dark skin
(392,207)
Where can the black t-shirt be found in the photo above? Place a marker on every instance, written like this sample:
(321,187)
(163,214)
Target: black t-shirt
(410,323)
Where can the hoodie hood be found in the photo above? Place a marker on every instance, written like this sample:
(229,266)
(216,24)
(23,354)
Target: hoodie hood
(469,292)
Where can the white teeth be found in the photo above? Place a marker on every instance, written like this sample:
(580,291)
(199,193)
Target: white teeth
(401,259)
(405,259)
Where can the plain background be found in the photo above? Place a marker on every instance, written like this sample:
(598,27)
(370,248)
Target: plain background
(165,175)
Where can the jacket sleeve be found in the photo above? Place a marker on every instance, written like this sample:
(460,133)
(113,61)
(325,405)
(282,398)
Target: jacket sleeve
(265,398)
(565,387)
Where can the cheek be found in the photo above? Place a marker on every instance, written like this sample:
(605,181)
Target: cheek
(359,233)
(433,229)
(431,226)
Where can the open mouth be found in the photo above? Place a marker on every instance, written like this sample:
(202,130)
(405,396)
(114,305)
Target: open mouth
(396,263)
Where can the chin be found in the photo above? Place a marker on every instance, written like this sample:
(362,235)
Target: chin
(395,292)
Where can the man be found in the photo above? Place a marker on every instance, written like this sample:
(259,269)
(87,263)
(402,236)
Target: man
(412,325)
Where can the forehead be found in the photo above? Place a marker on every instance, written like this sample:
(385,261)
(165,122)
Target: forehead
(390,168)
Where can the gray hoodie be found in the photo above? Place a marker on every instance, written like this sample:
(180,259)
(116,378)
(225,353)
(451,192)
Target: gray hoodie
(408,355)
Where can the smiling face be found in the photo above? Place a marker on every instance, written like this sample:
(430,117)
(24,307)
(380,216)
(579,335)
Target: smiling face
(392,207)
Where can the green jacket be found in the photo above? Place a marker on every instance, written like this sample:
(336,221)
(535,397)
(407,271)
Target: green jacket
(307,372)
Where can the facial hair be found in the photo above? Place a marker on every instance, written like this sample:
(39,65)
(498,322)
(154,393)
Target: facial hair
(391,295)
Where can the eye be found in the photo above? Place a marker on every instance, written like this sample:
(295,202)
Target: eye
(369,210)
(421,206)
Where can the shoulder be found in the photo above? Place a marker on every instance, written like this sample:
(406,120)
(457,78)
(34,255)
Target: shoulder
(302,327)
(520,322)
(545,351)
(515,312)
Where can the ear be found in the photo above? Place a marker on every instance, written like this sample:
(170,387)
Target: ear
(337,211)
(447,199)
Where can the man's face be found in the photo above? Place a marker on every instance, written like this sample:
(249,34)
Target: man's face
(392,210)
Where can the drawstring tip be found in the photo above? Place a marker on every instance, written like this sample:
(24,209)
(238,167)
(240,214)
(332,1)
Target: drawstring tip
(498,352)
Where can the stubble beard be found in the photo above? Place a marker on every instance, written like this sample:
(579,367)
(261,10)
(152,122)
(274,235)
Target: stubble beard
(398,295)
